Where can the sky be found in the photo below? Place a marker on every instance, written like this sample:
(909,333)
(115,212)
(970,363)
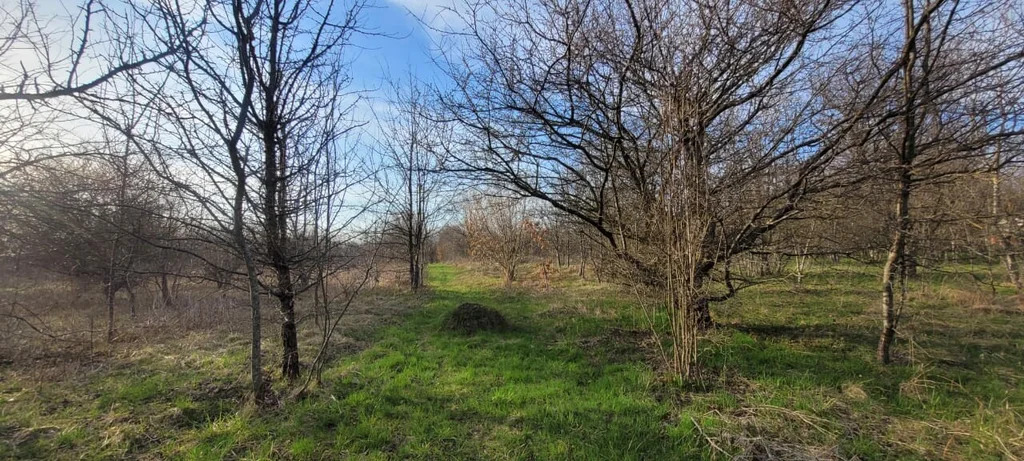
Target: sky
(398,43)
(398,40)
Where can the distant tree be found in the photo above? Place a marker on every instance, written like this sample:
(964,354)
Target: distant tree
(451,243)
(497,230)
(98,219)
(419,192)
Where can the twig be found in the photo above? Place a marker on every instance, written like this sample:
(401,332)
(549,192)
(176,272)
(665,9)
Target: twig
(710,442)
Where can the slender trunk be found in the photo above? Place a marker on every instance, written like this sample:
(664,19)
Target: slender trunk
(238,233)
(684,333)
(110,291)
(275,184)
(558,249)
(1001,234)
(893,272)
(1013,271)
(285,291)
(131,300)
(165,291)
(415,262)
(583,260)
(414,275)
(510,275)
(411,225)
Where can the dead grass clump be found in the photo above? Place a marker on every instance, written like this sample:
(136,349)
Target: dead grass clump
(577,309)
(918,386)
(982,300)
(624,345)
(855,392)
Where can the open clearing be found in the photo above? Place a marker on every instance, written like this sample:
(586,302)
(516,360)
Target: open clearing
(789,373)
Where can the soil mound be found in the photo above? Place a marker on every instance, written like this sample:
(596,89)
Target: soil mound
(470,318)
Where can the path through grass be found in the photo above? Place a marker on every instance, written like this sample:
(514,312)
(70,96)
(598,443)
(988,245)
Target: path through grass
(789,374)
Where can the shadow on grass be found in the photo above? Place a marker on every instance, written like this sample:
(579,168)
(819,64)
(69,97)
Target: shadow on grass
(530,392)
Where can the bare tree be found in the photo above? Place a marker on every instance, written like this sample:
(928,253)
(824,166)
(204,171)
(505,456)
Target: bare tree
(251,76)
(300,114)
(950,73)
(92,219)
(191,123)
(497,229)
(680,132)
(411,142)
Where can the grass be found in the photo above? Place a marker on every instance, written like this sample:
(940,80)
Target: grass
(790,373)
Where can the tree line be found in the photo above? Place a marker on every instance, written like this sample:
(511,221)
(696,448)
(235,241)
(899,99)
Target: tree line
(685,149)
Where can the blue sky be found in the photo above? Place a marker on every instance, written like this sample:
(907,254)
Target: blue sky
(400,45)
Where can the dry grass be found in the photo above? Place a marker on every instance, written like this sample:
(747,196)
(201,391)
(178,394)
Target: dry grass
(58,327)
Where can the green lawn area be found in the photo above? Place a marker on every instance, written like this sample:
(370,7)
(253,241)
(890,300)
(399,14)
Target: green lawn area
(789,373)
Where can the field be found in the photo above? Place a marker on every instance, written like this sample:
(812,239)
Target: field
(789,373)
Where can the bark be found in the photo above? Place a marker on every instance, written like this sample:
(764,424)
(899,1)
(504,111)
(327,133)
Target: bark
(110,291)
(131,300)
(289,339)
(684,332)
(254,292)
(893,272)
(274,201)
(415,248)
(1002,234)
(284,292)
(1013,272)
(165,291)
(509,275)
(702,313)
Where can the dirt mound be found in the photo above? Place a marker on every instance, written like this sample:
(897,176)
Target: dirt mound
(470,318)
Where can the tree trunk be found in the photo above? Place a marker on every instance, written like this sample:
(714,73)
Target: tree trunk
(110,291)
(509,274)
(702,313)
(289,339)
(415,264)
(414,276)
(1013,272)
(558,248)
(285,294)
(910,265)
(131,300)
(684,332)
(165,291)
(238,233)
(894,271)
(1001,233)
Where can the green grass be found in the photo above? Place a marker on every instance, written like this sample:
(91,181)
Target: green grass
(790,373)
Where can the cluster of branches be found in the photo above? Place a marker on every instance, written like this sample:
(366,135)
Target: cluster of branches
(685,133)
(226,128)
